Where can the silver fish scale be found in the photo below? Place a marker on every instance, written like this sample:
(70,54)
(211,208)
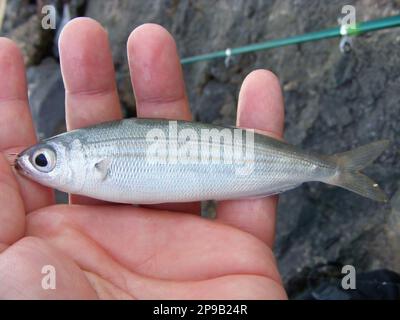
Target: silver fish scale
(131,178)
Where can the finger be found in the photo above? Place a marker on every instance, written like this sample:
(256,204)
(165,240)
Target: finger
(89,78)
(260,107)
(156,74)
(154,244)
(157,80)
(88,74)
(15,114)
(16,126)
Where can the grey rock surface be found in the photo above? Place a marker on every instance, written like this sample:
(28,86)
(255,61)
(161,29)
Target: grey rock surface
(17,13)
(46,98)
(23,24)
(33,41)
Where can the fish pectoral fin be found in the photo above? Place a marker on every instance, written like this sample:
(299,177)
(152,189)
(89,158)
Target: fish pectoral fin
(102,168)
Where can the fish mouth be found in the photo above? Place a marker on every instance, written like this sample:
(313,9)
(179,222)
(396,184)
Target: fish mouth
(19,167)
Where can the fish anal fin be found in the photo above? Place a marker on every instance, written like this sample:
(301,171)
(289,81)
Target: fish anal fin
(271,193)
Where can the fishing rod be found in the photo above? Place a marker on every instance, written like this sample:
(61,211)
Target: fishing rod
(340,31)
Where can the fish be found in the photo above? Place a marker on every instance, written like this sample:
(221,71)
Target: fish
(148,161)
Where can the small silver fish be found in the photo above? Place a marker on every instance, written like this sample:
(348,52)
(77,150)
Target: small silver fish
(143,161)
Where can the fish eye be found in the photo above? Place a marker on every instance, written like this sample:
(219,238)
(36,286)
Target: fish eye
(44,160)
(41,160)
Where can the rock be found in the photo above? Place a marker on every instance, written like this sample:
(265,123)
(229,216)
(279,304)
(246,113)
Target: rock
(34,41)
(17,13)
(215,109)
(325,283)
(23,24)
(46,98)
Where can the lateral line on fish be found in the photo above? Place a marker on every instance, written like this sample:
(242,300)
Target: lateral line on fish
(294,155)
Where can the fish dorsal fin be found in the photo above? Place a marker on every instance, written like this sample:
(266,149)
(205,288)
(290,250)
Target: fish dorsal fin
(102,168)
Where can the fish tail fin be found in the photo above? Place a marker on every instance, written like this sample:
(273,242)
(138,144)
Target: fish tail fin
(351,162)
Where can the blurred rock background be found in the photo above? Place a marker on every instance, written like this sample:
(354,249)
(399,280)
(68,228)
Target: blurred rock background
(333,102)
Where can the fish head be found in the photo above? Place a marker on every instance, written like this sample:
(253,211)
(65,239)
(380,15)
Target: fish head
(54,163)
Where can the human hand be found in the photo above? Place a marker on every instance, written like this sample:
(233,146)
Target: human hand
(105,250)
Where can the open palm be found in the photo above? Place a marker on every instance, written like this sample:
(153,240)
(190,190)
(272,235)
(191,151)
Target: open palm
(104,250)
